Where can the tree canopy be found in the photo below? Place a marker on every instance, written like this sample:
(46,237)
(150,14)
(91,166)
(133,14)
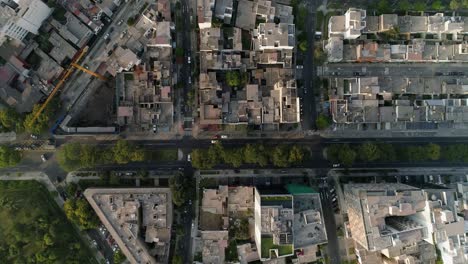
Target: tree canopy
(34,229)
(80,212)
(181,188)
(10,120)
(41,123)
(9,157)
(280,156)
(73,156)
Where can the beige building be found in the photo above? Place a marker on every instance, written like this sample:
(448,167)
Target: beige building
(392,223)
(126,212)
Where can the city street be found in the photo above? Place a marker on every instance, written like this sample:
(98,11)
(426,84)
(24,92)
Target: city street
(308,91)
(330,225)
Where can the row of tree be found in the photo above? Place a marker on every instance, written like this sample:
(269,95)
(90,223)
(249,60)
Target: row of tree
(182,189)
(371,152)
(279,156)
(74,156)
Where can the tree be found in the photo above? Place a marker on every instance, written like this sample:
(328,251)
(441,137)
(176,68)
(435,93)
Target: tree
(10,120)
(383,7)
(455,4)
(322,122)
(233,78)
(296,155)
(341,153)
(415,153)
(303,45)
(80,212)
(200,159)
(438,5)
(420,5)
(280,156)
(319,55)
(125,152)
(387,152)
(142,174)
(433,151)
(404,5)
(368,152)
(40,124)
(9,157)
(131,21)
(181,189)
(119,257)
(69,156)
(235,157)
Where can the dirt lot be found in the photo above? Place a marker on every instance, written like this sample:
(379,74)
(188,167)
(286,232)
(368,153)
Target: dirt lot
(99,109)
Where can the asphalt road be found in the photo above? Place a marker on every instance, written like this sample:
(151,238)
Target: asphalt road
(308,95)
(391,69)
(330,225)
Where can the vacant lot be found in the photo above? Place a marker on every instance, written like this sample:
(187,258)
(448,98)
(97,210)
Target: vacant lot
(33,229)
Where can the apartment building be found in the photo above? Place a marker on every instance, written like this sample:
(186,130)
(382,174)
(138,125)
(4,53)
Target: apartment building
(18,18)
(427,33)
(402,103)
(139,220)
(266,94)
(394,223)
(269,226)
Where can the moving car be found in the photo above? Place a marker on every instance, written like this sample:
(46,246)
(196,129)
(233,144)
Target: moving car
(43,158)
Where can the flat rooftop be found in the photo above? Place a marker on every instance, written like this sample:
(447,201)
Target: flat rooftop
(139,219)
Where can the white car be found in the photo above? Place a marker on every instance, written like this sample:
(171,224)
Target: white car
(336,165)
(224,136)
(188,60)
(43,158)
(120,22)
(106,36)
(189,158)
(214,141)
(33,136)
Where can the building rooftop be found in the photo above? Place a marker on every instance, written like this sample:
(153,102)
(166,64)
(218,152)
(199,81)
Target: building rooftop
(274,36)
(246,15)
(127,211)
(277,216)
(308,226)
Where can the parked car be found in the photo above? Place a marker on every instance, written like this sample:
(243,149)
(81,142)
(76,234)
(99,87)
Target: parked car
(43,158)
(120,22)
(214,141)
(106,36)
(224,136)
(189,158)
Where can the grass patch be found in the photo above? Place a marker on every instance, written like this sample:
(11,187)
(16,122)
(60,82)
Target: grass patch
(33,228)
(267,245)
